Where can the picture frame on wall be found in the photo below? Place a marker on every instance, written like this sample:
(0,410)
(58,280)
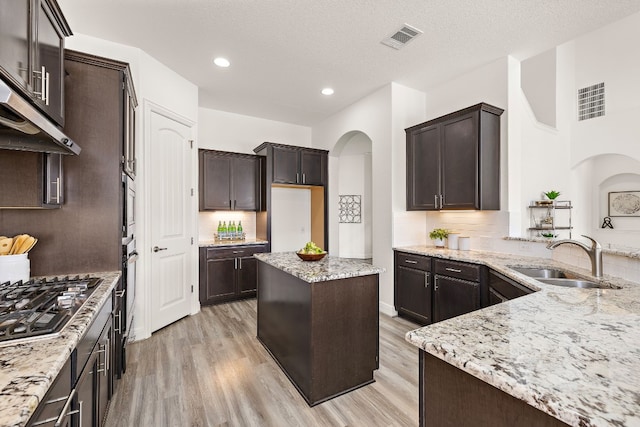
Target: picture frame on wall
(624,203)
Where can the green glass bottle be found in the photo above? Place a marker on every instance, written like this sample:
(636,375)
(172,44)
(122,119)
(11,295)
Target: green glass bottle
(224,229)
(232,229)
(239,230)
(219,230)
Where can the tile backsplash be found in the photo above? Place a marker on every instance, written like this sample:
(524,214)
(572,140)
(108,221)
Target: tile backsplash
(208,223)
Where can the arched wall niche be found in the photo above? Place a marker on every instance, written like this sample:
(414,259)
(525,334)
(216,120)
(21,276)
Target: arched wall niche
(353,195)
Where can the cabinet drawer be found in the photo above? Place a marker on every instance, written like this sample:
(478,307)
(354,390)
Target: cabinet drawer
(459,270)
(234,252)
(418,262)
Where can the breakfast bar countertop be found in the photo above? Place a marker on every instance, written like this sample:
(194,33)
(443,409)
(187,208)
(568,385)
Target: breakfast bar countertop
(328,268)
(572,353)
(30,367)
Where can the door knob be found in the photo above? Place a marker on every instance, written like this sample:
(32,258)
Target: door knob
(157,249)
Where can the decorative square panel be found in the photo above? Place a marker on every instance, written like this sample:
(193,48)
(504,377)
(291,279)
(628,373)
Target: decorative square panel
(349,207)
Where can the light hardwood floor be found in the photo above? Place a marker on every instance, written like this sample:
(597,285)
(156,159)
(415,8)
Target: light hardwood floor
(210,370)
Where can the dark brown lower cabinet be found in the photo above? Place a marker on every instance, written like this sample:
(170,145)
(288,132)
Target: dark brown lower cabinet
(413,287)
(452,397)
(54,401)
(228,273)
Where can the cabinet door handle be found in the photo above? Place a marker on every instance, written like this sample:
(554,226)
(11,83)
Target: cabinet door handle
(45,89)
(58,190)
(235,202)
(240,263)
(427,276)
(435,201)
(435,283)
(455,270)
(442,201)
(65,409)
(408,261)
(297,177)
(304,179)
(235,263)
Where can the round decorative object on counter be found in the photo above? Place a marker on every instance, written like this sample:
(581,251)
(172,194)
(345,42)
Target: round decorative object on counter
(464,243)
(311,257)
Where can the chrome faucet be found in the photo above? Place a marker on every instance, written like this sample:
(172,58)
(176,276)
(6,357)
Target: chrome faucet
(594,252)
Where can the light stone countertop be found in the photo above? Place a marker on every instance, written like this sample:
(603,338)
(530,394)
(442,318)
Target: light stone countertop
(572,353)
(328,268)
(29,368)
(223,243)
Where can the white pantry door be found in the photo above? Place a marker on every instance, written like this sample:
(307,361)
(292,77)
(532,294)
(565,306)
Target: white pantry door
(170,174)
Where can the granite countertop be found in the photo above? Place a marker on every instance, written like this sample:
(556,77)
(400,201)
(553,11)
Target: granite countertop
(30,367)
(328,268)
(223,243)
(572,353)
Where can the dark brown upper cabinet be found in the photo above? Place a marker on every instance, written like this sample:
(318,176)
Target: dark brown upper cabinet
(299,165)
(31,180)
(32,36)
(453,162)
(229,181)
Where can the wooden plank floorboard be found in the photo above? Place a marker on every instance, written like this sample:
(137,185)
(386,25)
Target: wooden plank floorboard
(210,370)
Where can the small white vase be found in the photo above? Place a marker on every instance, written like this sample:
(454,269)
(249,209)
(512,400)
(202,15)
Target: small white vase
(439,243)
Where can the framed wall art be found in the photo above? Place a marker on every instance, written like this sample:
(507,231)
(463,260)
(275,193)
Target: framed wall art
(624,203)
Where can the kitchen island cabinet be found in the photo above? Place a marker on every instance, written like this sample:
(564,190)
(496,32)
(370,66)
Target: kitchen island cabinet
(548,358)
(319,321)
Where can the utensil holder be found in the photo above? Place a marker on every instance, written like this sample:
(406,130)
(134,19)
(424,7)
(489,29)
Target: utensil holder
(14,268)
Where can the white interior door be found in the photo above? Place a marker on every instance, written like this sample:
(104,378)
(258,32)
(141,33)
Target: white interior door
(170,172)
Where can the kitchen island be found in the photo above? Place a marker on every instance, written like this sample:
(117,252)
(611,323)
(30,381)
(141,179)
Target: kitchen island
(30,367)
(319,321)
(559,356)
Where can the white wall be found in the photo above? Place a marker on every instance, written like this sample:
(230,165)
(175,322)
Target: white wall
(290,218)
(237,133)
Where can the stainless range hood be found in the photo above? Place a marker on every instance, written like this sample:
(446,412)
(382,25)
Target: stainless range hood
(24,128)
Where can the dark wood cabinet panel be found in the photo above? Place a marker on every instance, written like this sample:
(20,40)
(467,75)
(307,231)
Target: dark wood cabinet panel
(414,294)
(247,276)
(221,280)
(299,165)
(453,162)
(31,180)
(215,188)
(453,297)
(423,168)
(452,397)
(312,167)
(286,168)
(228,273)
(55,399)
(229,181)
(32,52)
(14,42)
(501,288)
(413,288)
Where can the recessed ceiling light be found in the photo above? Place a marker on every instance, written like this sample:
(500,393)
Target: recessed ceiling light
(221,62)
(327,91)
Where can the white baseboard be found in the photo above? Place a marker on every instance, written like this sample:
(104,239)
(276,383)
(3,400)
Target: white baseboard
(387,309)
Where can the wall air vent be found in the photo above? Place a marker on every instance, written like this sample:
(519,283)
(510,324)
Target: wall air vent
(400,38)
(591,102)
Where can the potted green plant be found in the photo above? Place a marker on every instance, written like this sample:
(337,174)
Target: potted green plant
(552,195)
(438,235)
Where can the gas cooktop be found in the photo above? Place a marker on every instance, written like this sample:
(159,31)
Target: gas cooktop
(40,307)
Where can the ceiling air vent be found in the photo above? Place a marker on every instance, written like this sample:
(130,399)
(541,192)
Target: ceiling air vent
(401,37)
(591,102)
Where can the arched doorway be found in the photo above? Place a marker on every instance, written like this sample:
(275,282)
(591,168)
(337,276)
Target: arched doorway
(354,192)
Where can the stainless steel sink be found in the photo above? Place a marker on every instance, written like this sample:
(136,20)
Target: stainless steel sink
(541,272)
(571,283)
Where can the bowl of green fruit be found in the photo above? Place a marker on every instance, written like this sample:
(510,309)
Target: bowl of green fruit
(311,252)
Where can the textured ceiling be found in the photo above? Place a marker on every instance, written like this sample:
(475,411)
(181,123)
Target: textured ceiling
(283,52)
